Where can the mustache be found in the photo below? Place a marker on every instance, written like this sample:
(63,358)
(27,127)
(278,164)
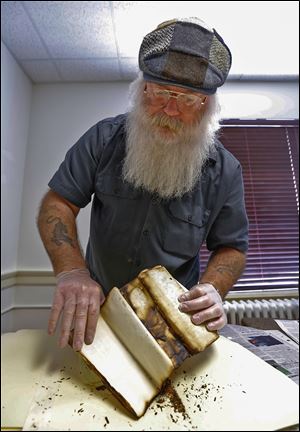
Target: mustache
(162,120)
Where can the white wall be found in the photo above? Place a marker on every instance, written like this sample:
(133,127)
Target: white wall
(251,100)
(61,113)
(16,91)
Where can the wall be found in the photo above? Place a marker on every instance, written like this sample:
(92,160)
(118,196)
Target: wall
(251,100)
(60,115)
(16,92)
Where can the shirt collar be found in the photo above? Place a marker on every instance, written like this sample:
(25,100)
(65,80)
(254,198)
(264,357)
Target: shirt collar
(212,156)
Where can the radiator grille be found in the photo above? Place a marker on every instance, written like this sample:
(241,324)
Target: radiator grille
(271,308)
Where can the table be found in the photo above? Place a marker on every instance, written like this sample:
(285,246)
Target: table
(224,388)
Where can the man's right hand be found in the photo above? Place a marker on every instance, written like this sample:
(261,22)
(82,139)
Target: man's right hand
(78,299)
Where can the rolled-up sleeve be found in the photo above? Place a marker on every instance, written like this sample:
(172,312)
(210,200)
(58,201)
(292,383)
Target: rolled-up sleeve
(230,228)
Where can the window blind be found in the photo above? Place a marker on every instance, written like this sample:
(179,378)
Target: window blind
(269,157)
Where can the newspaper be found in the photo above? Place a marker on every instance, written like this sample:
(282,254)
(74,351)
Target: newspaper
(272,346)
(290,327)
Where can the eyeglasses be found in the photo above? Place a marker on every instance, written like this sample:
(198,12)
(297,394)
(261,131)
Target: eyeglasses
(161,97)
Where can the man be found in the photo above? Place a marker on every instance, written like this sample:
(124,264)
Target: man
(162,185)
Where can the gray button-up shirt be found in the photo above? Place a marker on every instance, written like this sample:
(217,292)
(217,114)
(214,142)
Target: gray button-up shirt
(131,229)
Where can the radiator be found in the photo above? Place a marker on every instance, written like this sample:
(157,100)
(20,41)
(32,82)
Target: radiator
(271,308)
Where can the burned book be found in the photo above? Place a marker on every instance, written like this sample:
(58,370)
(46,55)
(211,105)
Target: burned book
(142,337)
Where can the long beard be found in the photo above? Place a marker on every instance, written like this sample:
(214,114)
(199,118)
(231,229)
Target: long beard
(163,155)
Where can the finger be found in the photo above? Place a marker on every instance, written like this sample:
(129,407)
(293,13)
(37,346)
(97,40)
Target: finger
(102,298)
(209,314)
(56,309)
(198,303)
(196,291)
(67,319)
(92,319)
(80,322)
(217,324)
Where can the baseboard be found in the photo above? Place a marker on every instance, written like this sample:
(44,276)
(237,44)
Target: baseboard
(44,277)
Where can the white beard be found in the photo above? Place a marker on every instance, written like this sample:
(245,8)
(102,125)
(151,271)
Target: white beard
(171,165)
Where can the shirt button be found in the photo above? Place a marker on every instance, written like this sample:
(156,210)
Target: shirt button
(146,233)
(130,260)
(190,217)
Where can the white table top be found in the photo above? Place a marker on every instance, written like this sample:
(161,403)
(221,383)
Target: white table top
(224,388)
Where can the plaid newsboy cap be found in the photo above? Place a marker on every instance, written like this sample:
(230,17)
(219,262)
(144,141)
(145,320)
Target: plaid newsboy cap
(185,52)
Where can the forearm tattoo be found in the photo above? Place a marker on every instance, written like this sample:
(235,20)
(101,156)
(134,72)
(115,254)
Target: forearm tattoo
(233,268)
(59,234)
(226,269)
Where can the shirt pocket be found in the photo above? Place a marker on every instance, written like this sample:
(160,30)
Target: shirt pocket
(115,187)
(116,207)
(186,230)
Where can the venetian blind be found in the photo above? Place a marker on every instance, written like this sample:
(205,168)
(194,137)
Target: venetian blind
(269,158)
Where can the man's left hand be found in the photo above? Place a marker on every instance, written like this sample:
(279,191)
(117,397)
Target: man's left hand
(204,304)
